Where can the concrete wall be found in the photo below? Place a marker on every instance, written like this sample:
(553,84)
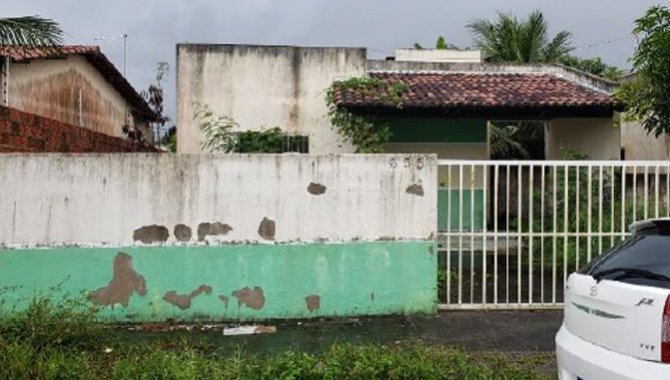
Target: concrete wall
(152,237)
(55,88)
(595,137)
(438,55)
(639,145)
(263,87)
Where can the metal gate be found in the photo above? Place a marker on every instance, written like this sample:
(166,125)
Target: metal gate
(512,231)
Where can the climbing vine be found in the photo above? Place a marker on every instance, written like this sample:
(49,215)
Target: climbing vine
(366,132)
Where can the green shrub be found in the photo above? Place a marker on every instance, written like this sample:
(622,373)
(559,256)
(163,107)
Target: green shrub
(20,360)
(49,322)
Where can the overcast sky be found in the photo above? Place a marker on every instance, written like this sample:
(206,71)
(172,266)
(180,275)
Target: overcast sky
(601,28)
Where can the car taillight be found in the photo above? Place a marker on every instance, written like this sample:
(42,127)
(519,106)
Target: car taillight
(665,333)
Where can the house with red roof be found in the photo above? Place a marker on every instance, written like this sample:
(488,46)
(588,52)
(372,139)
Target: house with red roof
(73,85)
(448,102)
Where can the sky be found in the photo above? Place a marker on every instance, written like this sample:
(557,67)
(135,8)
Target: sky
(600,28)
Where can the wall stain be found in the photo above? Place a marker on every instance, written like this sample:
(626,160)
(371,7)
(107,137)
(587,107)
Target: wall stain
(251,298)
(415,189)
(58,96)
(267,229)
(372,296)
(224,299)
(313,303)
(151,234)
(213,229)
(183,301)
(183,232)
(316,189)
(125,281)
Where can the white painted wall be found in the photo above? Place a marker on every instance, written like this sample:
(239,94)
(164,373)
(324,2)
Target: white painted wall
(51,88)
(438,55)
(595,137)
(55,199)
(263,87)
(640,145)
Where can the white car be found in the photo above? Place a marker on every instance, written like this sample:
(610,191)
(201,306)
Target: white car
(617,311)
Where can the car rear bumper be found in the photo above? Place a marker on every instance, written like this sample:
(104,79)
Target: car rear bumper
(578,358)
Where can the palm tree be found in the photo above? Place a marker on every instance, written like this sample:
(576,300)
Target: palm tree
(30,31)
(511,40)
(520,41)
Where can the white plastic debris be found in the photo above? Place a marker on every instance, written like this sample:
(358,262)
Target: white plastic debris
(249,330)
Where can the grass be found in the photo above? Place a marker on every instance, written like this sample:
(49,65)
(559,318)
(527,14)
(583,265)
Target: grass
(61,341)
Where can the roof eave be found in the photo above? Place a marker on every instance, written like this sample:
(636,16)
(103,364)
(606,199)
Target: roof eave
(489,112)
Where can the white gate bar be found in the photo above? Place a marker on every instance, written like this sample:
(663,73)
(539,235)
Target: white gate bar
(485,177)
(507,213)
(531,182)
(472,229)
(553,245)
(449,211)
(542,200)
(460,238)
(496,186)
(566,201)
(600,208)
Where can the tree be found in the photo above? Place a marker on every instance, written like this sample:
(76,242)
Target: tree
(648,97)
(519,41)
(154,98)
(440,44)
(30,31)
(504,143)
(594,66)
(218,130)
(510,40)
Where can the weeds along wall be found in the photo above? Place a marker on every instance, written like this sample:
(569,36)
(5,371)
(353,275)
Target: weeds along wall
(221,237)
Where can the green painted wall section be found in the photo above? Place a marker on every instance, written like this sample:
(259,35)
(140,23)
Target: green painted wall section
(365,278)
(435,130)
(443,211)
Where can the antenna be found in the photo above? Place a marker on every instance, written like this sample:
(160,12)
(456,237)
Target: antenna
(125,43)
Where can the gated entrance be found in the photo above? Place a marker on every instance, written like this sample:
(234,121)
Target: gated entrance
(512,231)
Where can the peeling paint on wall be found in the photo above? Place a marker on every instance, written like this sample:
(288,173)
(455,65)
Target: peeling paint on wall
(251,298)
(125,281)
(183,233)
(183,301)
(267,229)
(415,189)
(316,189)
(213,229)
(267,267)
(224,299)
(151,234)
(313,303)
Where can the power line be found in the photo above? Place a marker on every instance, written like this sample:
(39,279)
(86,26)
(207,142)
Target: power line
(608,42)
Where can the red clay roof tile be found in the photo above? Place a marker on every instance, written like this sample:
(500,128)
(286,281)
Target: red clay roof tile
(448,90)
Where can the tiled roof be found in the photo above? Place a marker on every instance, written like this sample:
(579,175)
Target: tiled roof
(460,93)
(95,57)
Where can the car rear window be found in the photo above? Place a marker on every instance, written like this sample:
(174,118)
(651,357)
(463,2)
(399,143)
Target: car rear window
(643,251)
